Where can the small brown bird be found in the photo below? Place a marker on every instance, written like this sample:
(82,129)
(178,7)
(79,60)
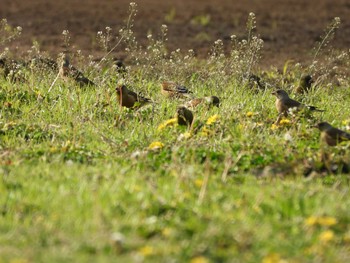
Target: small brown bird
(172,90)
(210,101)
(184,116)
(68,71)
(130,99)
(304,84)
(331,135)
(284,104)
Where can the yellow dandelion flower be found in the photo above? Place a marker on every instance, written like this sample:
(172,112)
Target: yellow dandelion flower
(213,119)
(345,122)
(322,221)
(273,258)
(187,135)
(249,114)
(311,221)
(53,149)
(274,127)
(199,259)
(155,146)
(327,221)
(167,123)
(284,121)
(205,132)
(146,251)
(326,236)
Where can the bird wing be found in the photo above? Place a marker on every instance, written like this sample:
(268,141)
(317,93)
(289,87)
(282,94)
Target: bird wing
(181,89)
(79,76)
(173,87)
(296,104)
(138,96)
(290,103)
(132,94)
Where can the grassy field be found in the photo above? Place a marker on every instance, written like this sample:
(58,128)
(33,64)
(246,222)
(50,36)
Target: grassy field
(84,180)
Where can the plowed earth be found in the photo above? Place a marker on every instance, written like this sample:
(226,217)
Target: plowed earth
(289,28)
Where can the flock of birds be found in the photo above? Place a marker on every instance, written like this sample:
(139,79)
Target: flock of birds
(329,134)
(284,105)
(132,100)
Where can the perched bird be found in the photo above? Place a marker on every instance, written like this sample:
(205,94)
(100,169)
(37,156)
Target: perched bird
(304,84)
(255,82)
(130,99)
(173,90)
(184,116)
(120,67)
(210,101)
(44,63)
(284,104)
(331,135)
(68,71)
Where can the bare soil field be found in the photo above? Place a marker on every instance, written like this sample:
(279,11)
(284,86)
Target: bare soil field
(289,28)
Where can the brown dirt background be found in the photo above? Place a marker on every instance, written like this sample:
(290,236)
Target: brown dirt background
(289,28)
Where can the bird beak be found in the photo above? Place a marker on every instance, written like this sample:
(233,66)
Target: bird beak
(274,93)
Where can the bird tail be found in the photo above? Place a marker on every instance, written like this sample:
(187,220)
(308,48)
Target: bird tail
(313,108)
(345,136)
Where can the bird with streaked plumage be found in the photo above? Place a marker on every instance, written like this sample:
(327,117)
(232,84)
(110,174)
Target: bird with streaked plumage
(173,90)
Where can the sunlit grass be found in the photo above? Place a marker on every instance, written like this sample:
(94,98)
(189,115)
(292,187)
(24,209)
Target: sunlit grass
(83,179)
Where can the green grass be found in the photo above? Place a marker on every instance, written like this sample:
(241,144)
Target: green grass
(75,174)
(79,182)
